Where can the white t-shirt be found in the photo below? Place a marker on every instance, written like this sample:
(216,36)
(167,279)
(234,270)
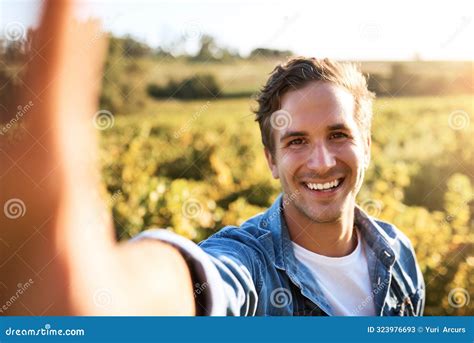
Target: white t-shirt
(344,281)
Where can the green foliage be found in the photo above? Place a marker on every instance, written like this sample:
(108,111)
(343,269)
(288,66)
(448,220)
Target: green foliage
(210,51)
(199,166)
(195,87)
(404,79)
(134,48)
(122,83)
(270,53)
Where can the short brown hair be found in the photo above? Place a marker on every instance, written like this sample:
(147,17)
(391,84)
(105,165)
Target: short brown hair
(297,73)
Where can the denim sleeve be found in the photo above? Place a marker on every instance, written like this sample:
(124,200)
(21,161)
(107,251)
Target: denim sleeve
(221,272)
(412,268)
(420,284)
(207,283)
(239,266)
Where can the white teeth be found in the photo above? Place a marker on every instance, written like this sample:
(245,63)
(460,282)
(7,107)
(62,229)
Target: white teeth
(323,186)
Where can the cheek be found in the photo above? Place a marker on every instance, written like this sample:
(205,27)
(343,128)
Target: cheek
(359,157)
(294,158)
(289,163)
(353,156)
(356,163)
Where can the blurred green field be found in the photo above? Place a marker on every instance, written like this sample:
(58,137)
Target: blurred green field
(244,77)
(247,75)
(196,166)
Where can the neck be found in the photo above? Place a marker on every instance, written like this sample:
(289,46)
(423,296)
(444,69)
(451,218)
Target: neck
(332,239)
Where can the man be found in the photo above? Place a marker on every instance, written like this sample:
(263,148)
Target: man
(313,252)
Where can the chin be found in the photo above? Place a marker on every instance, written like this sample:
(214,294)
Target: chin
(322,214)
(326,218)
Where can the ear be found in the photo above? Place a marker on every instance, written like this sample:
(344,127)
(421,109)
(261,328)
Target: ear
(271,164)
(368,143)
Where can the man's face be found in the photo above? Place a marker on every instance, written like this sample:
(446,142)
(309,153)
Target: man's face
(320,153)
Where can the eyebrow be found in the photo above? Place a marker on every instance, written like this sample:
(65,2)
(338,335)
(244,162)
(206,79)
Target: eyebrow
(338,126)
(334,127)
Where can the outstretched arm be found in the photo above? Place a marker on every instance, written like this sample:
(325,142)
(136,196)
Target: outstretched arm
(61,240)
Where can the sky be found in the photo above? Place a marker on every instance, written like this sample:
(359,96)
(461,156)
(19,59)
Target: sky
(340,29)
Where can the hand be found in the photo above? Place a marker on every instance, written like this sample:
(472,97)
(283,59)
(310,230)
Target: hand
(56,233)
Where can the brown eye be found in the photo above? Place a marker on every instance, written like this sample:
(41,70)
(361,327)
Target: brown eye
(297,141)
(338,135)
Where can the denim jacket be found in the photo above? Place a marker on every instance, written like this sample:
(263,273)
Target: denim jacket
(258,274)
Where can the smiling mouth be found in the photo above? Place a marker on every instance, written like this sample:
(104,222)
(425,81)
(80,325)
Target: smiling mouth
(325,187)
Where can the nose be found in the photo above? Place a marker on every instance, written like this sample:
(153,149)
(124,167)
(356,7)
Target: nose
(321,159)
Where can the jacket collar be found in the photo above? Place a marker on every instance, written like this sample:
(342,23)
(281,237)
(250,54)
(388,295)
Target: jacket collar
(373,235)
(377,243)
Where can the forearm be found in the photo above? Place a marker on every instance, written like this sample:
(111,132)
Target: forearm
(160,271)
(146,278)
(142,278)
